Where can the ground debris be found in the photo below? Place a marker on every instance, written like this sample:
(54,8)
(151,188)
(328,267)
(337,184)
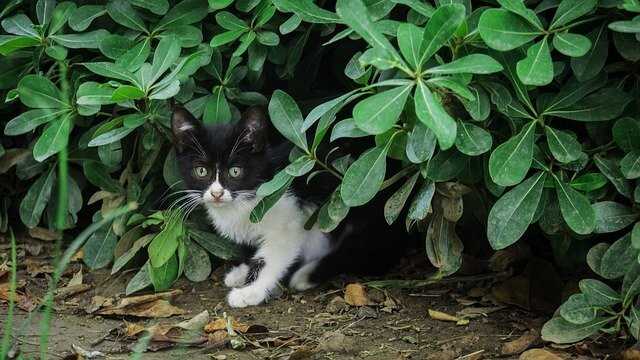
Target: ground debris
(335,341)
(356,295)
(442,316)
(86,354)
(151,306)
(520,344)
(540,354)
(22,299)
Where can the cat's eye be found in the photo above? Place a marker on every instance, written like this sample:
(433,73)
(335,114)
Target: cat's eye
(201,171)
(235,172)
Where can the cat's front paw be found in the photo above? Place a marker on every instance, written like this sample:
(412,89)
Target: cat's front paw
(237,276)
(246,296)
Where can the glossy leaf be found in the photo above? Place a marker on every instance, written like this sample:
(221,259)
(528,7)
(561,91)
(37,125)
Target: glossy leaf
(378,113)
(364,177)
(576,208)
(431,112)
(511,160)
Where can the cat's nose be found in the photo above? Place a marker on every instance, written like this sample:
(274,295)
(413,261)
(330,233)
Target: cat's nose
(217,194)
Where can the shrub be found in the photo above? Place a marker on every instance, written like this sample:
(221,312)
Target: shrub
(533,105)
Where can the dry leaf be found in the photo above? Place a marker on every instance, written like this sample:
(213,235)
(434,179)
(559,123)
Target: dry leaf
(44,234)
(133,329)
(76,279)
(71,290)
(85,354)
(37,267)
(520,344)
(78,256)
(356,295)
(221,324)
(438,315)
(474,312)
(631,354)
(22,300)
(337,305)
(153,305)
(195,323)
(539,354)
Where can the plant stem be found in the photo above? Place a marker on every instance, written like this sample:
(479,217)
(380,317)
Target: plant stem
(397,177)
(327,167)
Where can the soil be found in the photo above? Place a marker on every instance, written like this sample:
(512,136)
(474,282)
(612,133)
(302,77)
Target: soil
(316,324)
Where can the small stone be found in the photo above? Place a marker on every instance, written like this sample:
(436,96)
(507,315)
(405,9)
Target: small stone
(337,305)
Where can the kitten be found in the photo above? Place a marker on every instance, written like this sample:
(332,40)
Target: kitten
(224,164)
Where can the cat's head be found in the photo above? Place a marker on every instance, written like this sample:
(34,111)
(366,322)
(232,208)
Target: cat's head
(222,163)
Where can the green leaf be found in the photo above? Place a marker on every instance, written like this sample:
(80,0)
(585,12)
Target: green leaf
(589,182)
(165,244)
(30,120)
(290,25)
(378,113)
(98,250)
(575,90)
(110,70)
(10,44)
(470,64)
(355,14)
(590,65)
(35,201)
(307,10)
(217,108)
(421,143)
(630,284)
(226,37)
(261,209)
(184,13)
(166,54)
(60,16)
(570,10)
(198,265)
(280,179)
(229,21)
(612,216)
(346,129)
(421,203)
(479,106)
(511,215)
(82,17)
(409,40)
(503,30)
(268,38)
(396,202)
(301,166)
(92,93)
(139,281)
(442,25)
(364,177)
(56,52)
(445,165)
(626,134)
(162,277)
(611,170)
(560,331)
(603,105)
(453,84)
(599,293)
(573,45)
(287,118)
(576,209)
(133,59)
(577,310)
(86,40)
(618,258)
(537,67)
(124,259)
(564,147)
(511,160)
(472,140)
(98,175)
(630,165)
(218,246)
(626,26)
(158,7)
(53,139)
(37,91)
(111,136)
(431,112)
(219,4)
(44,11)
(20,25)
(127,92)
(518,7)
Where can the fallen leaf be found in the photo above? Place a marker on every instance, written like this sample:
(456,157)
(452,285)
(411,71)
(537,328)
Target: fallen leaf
(439,315)
(520,344)
(76,279)
(356,295)
(197,322)
(474,312)
(34,249)
(335,341)
(631,354)
(71,290)
(37,267)
(221,324)
(153,305)
(133,329)
(44,234)
(539,354)
(78,256)
(21,299)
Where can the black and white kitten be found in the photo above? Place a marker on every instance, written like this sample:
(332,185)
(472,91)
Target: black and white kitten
(224,164)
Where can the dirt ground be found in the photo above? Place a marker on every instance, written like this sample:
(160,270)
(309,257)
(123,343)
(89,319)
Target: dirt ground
(324,323)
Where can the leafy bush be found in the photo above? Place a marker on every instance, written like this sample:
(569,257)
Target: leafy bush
(532,105)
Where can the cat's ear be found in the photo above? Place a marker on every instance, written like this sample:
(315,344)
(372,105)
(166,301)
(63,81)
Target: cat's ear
(254,128)
(185,127)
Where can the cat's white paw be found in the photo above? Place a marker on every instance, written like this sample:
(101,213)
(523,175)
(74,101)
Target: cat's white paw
(246,296)
(237,276)
(300,281)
